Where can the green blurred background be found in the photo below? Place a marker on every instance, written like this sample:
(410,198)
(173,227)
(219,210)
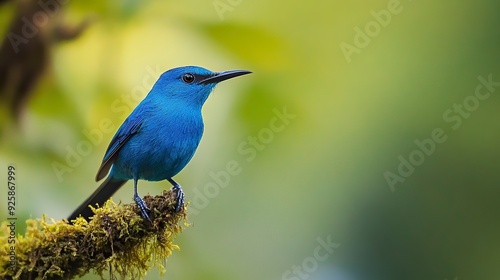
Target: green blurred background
(322,175)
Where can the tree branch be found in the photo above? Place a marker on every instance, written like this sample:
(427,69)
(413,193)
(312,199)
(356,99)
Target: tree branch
(117,238)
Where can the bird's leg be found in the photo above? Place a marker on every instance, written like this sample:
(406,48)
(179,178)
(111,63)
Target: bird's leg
(180,194)
(140,203)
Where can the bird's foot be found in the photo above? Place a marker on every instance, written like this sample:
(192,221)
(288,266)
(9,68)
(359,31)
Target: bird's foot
(142,206)
(179,197)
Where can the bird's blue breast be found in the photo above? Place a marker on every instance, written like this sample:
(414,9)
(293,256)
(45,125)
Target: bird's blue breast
(165,143)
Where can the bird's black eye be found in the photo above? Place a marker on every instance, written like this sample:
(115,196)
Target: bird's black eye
(188,78)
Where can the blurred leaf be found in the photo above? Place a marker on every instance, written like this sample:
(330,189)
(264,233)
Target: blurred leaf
(251,43)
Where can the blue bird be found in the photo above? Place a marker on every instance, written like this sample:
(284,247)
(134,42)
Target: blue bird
(159,137)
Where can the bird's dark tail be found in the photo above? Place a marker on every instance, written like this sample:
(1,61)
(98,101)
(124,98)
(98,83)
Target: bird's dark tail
(103,193)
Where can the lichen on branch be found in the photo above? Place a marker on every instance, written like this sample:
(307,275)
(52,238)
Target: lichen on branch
(117,239)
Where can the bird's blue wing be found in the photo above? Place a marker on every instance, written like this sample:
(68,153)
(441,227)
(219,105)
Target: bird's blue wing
(130,127)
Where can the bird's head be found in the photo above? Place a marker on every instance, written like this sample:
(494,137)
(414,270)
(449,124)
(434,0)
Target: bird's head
(191,84)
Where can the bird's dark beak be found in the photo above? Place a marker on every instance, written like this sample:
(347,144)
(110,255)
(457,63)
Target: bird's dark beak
(222,76)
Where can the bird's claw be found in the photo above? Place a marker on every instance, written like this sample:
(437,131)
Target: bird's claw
(142,206)
(179,198)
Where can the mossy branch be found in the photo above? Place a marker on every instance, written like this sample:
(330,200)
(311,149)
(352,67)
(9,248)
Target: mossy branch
(117,238)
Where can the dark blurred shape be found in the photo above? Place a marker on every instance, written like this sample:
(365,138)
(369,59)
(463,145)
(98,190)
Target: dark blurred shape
(24,52)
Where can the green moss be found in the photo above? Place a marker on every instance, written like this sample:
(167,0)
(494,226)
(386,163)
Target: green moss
(117,238)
